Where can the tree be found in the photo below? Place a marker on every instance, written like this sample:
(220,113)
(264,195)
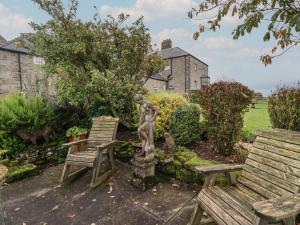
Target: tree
(107,61)
(280,17)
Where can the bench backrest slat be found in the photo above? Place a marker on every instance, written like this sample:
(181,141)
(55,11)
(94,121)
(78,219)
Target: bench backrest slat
(103,130)
(273,164)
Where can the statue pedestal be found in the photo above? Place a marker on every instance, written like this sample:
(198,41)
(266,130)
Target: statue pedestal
(143,171)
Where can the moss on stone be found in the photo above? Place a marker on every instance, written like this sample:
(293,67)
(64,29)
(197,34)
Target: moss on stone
(179,167)
(20,172)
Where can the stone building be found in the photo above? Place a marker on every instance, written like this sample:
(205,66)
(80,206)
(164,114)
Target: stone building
(20,71)
(183,72)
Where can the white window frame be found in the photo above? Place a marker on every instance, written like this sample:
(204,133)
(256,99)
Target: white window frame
(38,60)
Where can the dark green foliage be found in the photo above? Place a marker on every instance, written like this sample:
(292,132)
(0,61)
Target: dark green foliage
(123,151)
(247,136)
(102,60)
(223,105)
(284,108)
(184,124)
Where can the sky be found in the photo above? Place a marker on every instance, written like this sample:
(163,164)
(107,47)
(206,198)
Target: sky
(228,59)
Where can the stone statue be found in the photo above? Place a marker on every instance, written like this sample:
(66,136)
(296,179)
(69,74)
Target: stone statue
(146,126)
(169,142)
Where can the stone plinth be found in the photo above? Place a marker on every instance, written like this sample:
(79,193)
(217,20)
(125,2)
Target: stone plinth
(3,172)
(143,171)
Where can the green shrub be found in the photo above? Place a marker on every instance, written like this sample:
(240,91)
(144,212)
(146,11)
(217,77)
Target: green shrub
(17,113)
(185,125)
(28,113)
(223,105)
(284,108)
(166,103)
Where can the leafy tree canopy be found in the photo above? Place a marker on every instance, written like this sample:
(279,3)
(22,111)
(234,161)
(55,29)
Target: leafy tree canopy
(100,60)
(280,17)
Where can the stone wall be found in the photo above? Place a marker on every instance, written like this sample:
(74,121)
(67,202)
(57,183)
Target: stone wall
(155,85)
(25,76)
(198,69)
(178,78)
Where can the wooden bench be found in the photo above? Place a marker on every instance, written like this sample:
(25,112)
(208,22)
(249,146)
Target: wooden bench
(267,190)
(93,151)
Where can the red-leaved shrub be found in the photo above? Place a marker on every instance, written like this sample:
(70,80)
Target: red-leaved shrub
(223,105)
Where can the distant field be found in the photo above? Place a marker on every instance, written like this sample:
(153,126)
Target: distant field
(257,118)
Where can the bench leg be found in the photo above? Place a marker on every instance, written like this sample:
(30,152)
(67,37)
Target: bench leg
(65,173)
(261,221)
(290,221)
(197,215)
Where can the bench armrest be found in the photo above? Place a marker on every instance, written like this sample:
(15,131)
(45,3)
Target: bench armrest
(217,169)
(278,209)
(106,145)
(75,142)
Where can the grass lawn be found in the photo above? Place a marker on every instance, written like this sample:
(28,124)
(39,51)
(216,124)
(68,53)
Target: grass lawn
(257,118)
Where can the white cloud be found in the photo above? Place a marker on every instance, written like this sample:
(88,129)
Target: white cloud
(12,24)
(151,9)
(219,43)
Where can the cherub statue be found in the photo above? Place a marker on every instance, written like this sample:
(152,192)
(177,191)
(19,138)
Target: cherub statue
(146,126)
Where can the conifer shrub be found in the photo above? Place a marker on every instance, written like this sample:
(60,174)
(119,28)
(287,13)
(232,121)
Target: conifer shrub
(223,105)
(185,125)
(18,112)
(284,108)
(166,103)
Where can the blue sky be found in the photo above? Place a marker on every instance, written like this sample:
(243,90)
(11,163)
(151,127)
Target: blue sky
(227,59)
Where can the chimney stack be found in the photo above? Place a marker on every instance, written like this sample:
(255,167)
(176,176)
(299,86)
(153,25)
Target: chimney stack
(166,44)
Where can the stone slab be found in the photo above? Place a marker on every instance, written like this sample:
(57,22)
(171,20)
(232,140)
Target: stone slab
(42,200)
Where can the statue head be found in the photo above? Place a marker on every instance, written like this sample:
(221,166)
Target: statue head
(138,98)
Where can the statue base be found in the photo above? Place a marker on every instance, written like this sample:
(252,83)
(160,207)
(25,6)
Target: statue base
(143,171)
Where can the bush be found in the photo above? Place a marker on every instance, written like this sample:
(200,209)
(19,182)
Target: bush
(166,103)
(17,113)
(223,105)
(284,108)
(184,124)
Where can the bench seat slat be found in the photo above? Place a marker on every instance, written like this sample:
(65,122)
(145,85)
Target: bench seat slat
(279,144)
(216,211)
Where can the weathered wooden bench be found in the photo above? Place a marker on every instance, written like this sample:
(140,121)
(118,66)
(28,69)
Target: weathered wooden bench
(267,190)
(94,151)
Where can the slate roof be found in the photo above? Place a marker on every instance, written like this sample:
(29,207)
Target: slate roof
(172,53)
(158,76)
(12,45)
(169,53)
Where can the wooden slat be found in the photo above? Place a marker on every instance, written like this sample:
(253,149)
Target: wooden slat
(237,204)
(228,209)
(266,184)
(279,144)
(278,165)
(257,187)
(216,211)
(79,163)
(281,135)
(277,150)
(272,179)
(81,158)
(279,174)
(276,157)
(248,192)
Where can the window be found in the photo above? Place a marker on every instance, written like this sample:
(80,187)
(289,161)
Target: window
(195,66)
(195,84)
(38,60)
